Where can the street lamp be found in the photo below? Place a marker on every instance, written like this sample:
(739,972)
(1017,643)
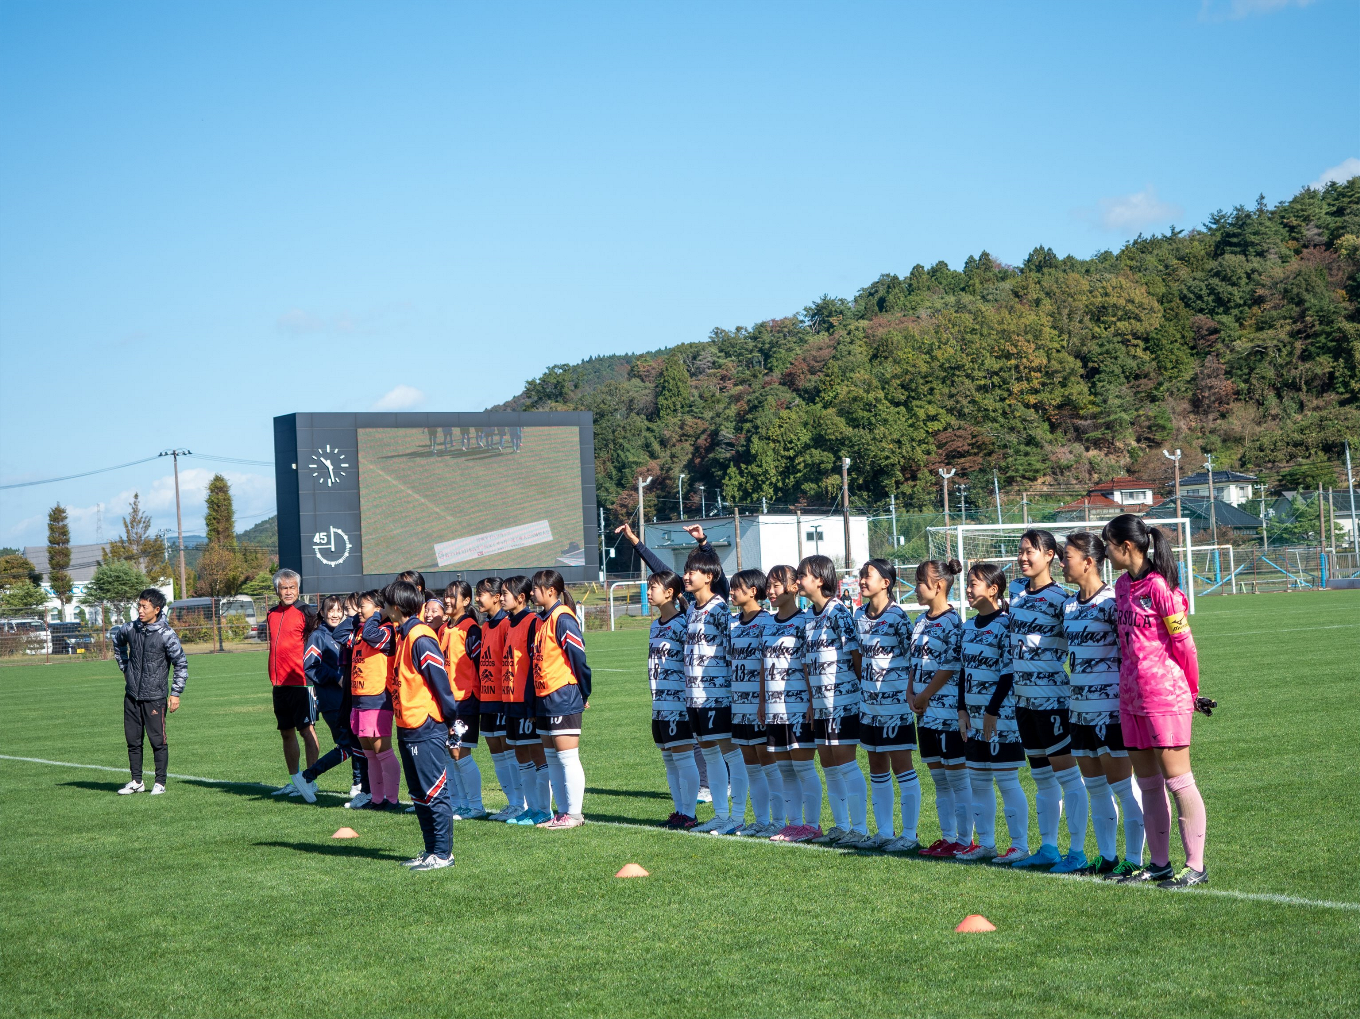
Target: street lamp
(682,496)
(946,476)
(175,454)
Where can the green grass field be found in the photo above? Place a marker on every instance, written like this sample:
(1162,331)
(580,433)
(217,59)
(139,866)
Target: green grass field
(217,900)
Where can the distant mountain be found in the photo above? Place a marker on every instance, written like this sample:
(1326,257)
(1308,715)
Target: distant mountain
(265,535)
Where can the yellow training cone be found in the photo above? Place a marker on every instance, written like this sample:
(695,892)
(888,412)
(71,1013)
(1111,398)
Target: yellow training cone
(975,923)
(631,870)
(346,833)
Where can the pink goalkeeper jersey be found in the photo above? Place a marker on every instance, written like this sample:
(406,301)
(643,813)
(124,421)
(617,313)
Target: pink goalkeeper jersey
(1151,682)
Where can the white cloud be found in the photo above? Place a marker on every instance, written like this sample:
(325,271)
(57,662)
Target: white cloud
(299,322)
(1236,10)
(401,397)
(1342,172)
(1125,213)
(344,323)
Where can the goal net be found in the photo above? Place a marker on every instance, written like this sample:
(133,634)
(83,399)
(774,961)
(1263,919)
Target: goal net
(1000,543)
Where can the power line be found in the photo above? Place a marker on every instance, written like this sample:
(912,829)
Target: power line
(134,463)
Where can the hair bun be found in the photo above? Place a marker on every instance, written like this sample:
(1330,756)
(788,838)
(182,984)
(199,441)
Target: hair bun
(954,566)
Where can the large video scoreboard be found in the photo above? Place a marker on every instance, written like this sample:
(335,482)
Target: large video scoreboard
(363,497)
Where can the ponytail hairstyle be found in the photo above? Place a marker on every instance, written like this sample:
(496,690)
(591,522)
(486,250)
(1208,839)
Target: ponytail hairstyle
(785,576)
(884,569)
(1042,540)
(993,576)
(311,619)
(1090,545)
(671,583)
(936,569)
(552,579)
(1151,541)
(489,585)
(517,587)
(414,577)
(459,589)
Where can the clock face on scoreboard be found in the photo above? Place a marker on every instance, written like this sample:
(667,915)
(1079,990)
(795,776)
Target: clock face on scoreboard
(328,465)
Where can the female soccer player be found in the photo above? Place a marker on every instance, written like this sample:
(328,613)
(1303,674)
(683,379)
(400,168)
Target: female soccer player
(517,694)
(491,667)
(748,735)
(561,694)
(671,730)
(987,720)
(461,642)
(1089,621)
(323,663)
(887,726)
(372,680)
(786,709)
(936,657)
(1158,695)
(1038,657)
(831,660)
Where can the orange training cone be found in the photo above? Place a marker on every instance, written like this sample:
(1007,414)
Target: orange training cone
(346,833)
(631,870)
(975,923)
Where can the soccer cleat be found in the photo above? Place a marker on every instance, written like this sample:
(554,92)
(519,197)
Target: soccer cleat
(829,837)
(157,789)
(1148,873)
(432,862)
(360,801)
(686,823)
(1101,868)
(307,790)
(960,848)
(977,854)
(285,790)
(705,795)
(853,839)
(1011,857)
(511,813)
(877,842)
(397,806)
(531,818)
(544,824)
(748,830)
(417,859)
(785,833)
(940,848)
(132,787)
(807,833)
(712,824)
(564,821)
(475,814)
(1070,864)
(1122,870)
(1047,856)
(903,844)
(1187,878)
(670,821)
(728,827)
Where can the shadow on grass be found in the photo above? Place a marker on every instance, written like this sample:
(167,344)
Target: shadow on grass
(641,822)
(259,792)
(97,787)
(325,849)
(642,794)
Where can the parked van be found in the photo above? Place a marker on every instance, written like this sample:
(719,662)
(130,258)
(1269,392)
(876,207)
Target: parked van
(25,636)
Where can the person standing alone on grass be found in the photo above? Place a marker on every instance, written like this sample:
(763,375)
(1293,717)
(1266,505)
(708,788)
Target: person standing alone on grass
(294,703)
(146,650)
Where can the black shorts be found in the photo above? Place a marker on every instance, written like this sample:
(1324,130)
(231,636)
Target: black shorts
(748,734)
(836,732)
(294,707)
(521,732)
(984,754)
(781,737)
(558,725)
(941,746)
(711,723)
(897,734)
(1094,740)
(668,734)
(492,722)
(1043,733)
(470,714)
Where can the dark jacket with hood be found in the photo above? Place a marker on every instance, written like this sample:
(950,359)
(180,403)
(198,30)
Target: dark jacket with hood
(146,652)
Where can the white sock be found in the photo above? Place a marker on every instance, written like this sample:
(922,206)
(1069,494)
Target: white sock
(471,776)
(880,790)
(528,783)
(1016,806)
(857,792)
(944,803)
(1047,804)
(760,793)
(687,771)
(504,764)
(793,792)
(543,788)
(574,780)
(909,791)
(1132,808)
(1104,816)
(717,780)
(963,805)
(672,778)
(836,796)
(1074,806)
(737,781)
(557,780)
(810,785)
(457,794)
(774,779)
(984,806)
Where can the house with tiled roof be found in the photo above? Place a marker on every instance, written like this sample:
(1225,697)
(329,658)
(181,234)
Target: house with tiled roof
(1109,499)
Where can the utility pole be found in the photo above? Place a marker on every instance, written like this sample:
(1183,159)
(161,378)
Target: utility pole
(1331,515)
(763,509)
(1177,461)
(798,526)
(1024,506)
(703,505)
(642,534)
(736,528)
(682,496)
(892,508)
(941,472)
(963,503)
(603,552)
(1322,520)
(1265,540)
(1213,516)
(720,502)
(996,490)
(1350,487)
(845,507)
(175,454)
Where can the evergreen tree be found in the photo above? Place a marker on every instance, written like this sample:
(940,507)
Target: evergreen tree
(672,389)
(220,519)
(138,546)
(59,553)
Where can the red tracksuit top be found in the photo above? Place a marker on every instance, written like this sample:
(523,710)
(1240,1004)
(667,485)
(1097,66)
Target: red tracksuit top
(286,645)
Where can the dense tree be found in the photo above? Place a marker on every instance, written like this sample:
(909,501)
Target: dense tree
(220,519)
(59,553)
(115,585)
(139,546)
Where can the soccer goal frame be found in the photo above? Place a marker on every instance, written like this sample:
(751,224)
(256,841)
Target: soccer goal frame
(998,543)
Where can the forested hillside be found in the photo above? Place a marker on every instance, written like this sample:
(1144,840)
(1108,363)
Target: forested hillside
(1241,339)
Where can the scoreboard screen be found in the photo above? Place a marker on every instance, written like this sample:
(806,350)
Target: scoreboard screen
(363,497)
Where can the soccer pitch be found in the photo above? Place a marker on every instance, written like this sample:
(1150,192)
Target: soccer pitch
(219,900)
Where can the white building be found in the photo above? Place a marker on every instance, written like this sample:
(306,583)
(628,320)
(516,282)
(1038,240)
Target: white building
(85,559)
(767,539)
(1229,486)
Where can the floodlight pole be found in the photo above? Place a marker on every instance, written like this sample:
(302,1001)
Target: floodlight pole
(642,530)
(1265,538)
(703,501)
(681,488)
(1177,461)
(1213,516)
(845,506)
(174,455)
(1350,487)
(963,503)
(996,490)
(946,476)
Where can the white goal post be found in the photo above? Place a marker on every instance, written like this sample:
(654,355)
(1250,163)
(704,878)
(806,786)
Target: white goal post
(999,543)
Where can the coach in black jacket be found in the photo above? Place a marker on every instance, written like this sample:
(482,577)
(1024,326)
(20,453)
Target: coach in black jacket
(146,650)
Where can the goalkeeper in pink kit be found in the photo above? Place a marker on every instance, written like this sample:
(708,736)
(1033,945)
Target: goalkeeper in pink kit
(1158,695)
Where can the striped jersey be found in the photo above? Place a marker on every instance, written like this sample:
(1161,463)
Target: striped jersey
(748,650)
(708,655)
(666,668)
(885,664)
(786,690)
(1038,647)
(831,639)
(935,645)
(1093,657)
(986,658)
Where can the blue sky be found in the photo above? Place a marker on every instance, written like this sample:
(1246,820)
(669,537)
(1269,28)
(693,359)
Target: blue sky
(211,214)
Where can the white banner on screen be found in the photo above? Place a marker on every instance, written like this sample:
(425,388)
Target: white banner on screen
(478,546)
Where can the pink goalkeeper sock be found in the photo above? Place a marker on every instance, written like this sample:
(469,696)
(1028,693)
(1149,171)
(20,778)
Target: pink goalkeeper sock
(1156,819)
(391,769)
(1190,811)
(376,785)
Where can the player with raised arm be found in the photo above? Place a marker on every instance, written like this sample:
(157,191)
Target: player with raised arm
(887,725)
(748,650)
(671,730)
(1158,695)
(785,709)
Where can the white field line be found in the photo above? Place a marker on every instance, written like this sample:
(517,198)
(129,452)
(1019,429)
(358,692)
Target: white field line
(1227,893)
(1287,629)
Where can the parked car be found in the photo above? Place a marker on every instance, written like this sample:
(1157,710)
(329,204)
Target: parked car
(71,639)
(25,636)
(238,613)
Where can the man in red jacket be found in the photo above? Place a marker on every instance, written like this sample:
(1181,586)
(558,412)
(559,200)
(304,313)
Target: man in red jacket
(294,702)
